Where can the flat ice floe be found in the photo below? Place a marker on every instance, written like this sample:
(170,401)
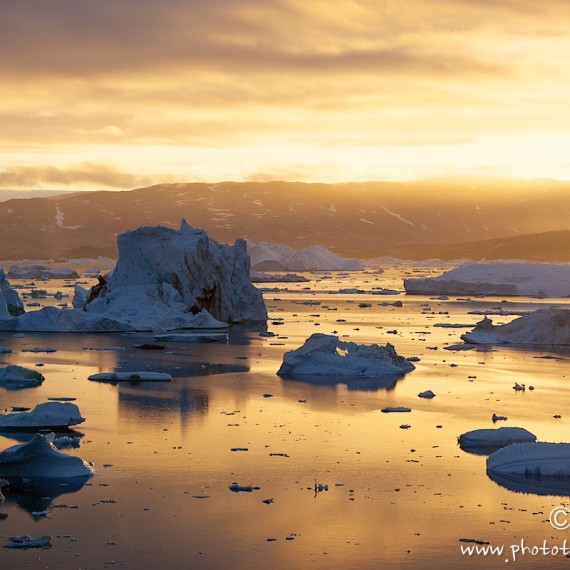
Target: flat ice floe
(192,337)
(324,355)
(488,440)
(548,326)
(39,458)
(52,415)
(537,464)
(262,277)
(41,272)
(144,376)
(13,376)
(26,541)
(528,279)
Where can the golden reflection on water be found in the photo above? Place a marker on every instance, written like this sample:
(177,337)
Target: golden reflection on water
(396,497)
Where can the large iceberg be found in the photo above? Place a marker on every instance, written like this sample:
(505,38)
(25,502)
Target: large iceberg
(164,279)
(278,257)
(324,355)
(528,279)
(10,302)
(49,415)
(40,458)
(548,326)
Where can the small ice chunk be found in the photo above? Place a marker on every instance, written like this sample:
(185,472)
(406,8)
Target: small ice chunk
(241,488)
(390,409)
(26,541)
(460,346)
(497,418)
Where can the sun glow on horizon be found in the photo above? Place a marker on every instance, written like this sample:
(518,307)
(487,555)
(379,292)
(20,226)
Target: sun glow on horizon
(224,91)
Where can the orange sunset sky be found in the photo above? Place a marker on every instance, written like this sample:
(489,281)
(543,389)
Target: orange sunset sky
(124,93)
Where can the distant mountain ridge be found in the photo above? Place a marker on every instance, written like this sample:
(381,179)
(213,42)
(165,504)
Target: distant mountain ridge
(434,218)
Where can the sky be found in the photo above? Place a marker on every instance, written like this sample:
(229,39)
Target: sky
(127,93)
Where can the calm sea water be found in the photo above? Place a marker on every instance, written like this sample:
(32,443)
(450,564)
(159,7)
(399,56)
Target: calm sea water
(396,497)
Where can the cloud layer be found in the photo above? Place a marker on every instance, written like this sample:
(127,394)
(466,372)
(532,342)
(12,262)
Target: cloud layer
(283,86)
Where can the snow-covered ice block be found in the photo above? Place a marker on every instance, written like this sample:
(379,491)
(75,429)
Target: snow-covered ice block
(488,440)
(52,415)
(324,354)
(39,458)
(528,279)
(18,376)
(41,272)
(538,459)
(548,326)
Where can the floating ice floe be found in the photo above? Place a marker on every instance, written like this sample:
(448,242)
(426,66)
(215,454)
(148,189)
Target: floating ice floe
(26,541)
(485,441)
(143,376)
(49,415)
(164,279)
(261,277)
(236,488)
(528,279)
(52,319)
(41,272)
(278,257)
(39,458)
(13,376)
(192,337)
(323,355)
(459,347)
(539,459)
(540,468)
(10,303)
(548,326)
